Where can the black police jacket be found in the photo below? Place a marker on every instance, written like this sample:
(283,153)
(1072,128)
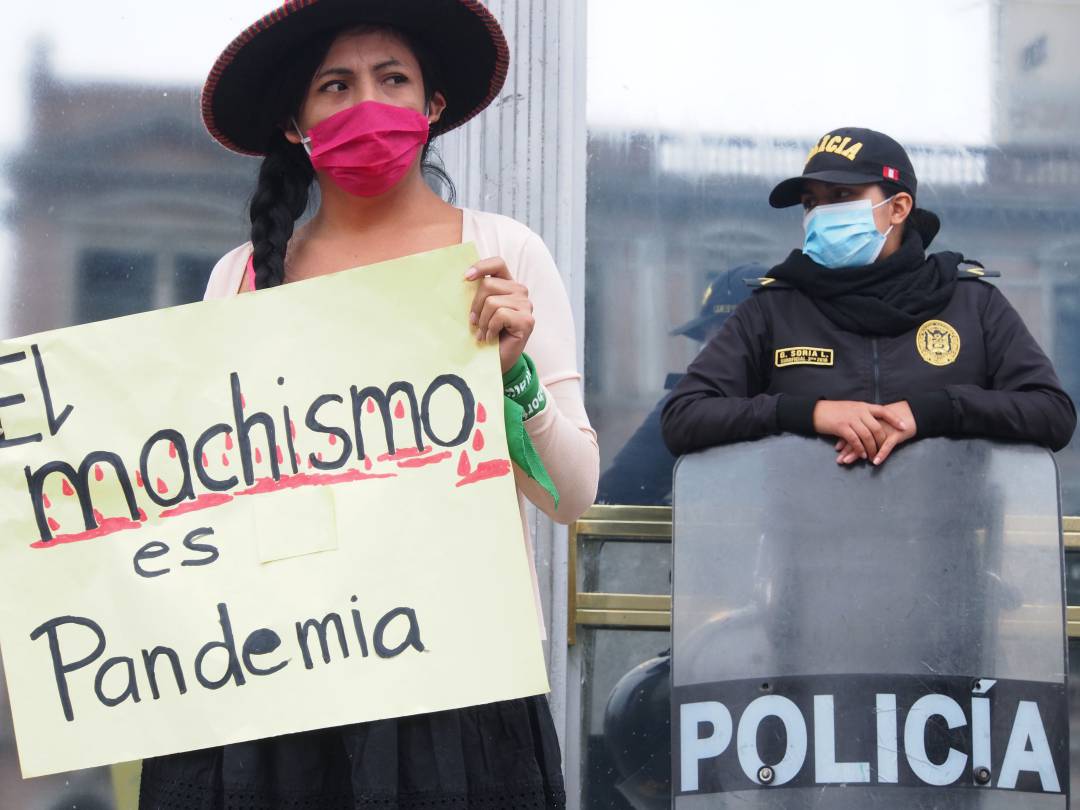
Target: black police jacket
(973,369)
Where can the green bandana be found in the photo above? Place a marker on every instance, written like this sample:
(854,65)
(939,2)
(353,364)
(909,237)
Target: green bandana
(524,399)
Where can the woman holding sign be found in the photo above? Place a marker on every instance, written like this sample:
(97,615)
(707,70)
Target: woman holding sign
(347,94)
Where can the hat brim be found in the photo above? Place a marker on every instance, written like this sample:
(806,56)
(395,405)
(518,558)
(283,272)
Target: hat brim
(696,328)
(463,34)
(789,192)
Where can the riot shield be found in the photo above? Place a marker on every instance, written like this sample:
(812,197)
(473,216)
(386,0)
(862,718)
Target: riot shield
(854,637)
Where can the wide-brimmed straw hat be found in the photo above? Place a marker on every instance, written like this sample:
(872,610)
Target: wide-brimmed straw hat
(462,34)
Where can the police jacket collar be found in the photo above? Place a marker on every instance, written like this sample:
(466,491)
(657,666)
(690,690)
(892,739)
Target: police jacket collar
(888,297)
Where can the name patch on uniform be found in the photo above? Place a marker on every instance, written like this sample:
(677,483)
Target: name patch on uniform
(938,343)
(804,356)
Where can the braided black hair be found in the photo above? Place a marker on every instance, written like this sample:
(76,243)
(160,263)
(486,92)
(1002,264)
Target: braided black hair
(283,190)
(280,198)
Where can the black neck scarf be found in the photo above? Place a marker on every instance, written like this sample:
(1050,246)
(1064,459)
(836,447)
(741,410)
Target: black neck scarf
(887,298)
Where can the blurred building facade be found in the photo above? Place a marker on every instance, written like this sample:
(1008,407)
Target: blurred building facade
(120,204)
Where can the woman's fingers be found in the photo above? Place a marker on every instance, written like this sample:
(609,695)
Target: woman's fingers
(852,438)
(887,447)
(869,444)
(501,309)
(486,327)
(494,267)
(847,453)
(889,415)
(876,428)
(489,287)
(510,322)
(512,328)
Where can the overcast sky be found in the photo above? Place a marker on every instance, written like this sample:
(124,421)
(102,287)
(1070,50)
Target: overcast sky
(920,70)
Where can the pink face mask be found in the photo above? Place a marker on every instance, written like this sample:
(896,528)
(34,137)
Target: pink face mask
(367,148)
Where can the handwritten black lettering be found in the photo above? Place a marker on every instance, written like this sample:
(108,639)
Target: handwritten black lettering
(150,551)
(211,553)
(14,399)
(61,668)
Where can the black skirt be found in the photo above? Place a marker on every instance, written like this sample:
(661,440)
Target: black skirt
(500,756)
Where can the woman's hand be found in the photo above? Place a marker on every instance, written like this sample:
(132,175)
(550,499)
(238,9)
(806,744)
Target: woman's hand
(860,426)
(501,308)
(894,435)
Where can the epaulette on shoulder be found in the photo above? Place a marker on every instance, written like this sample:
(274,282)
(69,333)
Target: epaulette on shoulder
(974,270)
(766,283)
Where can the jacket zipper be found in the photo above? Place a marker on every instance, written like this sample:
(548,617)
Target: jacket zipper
(877,372)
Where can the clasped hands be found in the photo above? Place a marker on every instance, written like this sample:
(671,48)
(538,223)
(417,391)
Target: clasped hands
(864,430)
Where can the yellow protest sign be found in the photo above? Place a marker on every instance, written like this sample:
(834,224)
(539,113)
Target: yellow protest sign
(244,518)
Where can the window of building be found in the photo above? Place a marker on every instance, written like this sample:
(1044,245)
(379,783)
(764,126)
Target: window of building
(191,273)
(112,283)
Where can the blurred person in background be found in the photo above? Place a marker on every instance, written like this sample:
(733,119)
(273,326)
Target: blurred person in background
(640,473)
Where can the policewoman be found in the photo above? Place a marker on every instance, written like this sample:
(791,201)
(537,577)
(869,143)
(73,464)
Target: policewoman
(863,336)
(346,96)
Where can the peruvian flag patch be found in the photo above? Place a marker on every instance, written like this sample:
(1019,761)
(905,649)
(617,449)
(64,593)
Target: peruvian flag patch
(889,173)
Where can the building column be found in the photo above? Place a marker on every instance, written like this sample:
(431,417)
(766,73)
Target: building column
(525,157)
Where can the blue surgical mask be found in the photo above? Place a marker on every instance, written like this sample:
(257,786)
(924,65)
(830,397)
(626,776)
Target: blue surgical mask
(843,234)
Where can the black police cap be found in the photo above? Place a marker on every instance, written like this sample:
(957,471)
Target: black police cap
(856,156)
(724,293)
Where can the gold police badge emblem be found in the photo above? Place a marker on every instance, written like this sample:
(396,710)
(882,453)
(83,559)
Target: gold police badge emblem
(938,343)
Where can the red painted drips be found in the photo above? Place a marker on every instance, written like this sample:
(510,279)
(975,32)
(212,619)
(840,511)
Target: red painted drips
(172,450)
(207,501)
(407,452)
(66,489)
(161,488)
(367,463)
(485,470)
(333,439)
(109,526)
(142,515)
(138,479)
(280,455)
(399,410)
(318,456)
(98,473)
(225,459)
(478,441)
(292,428)
(425,460)
(464,467)
(228,441)
(264,485)
(205,460)
(370,405)
(243,402)
(297,457)
(45,500)
(481,413)
(53,524)
(258,456)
